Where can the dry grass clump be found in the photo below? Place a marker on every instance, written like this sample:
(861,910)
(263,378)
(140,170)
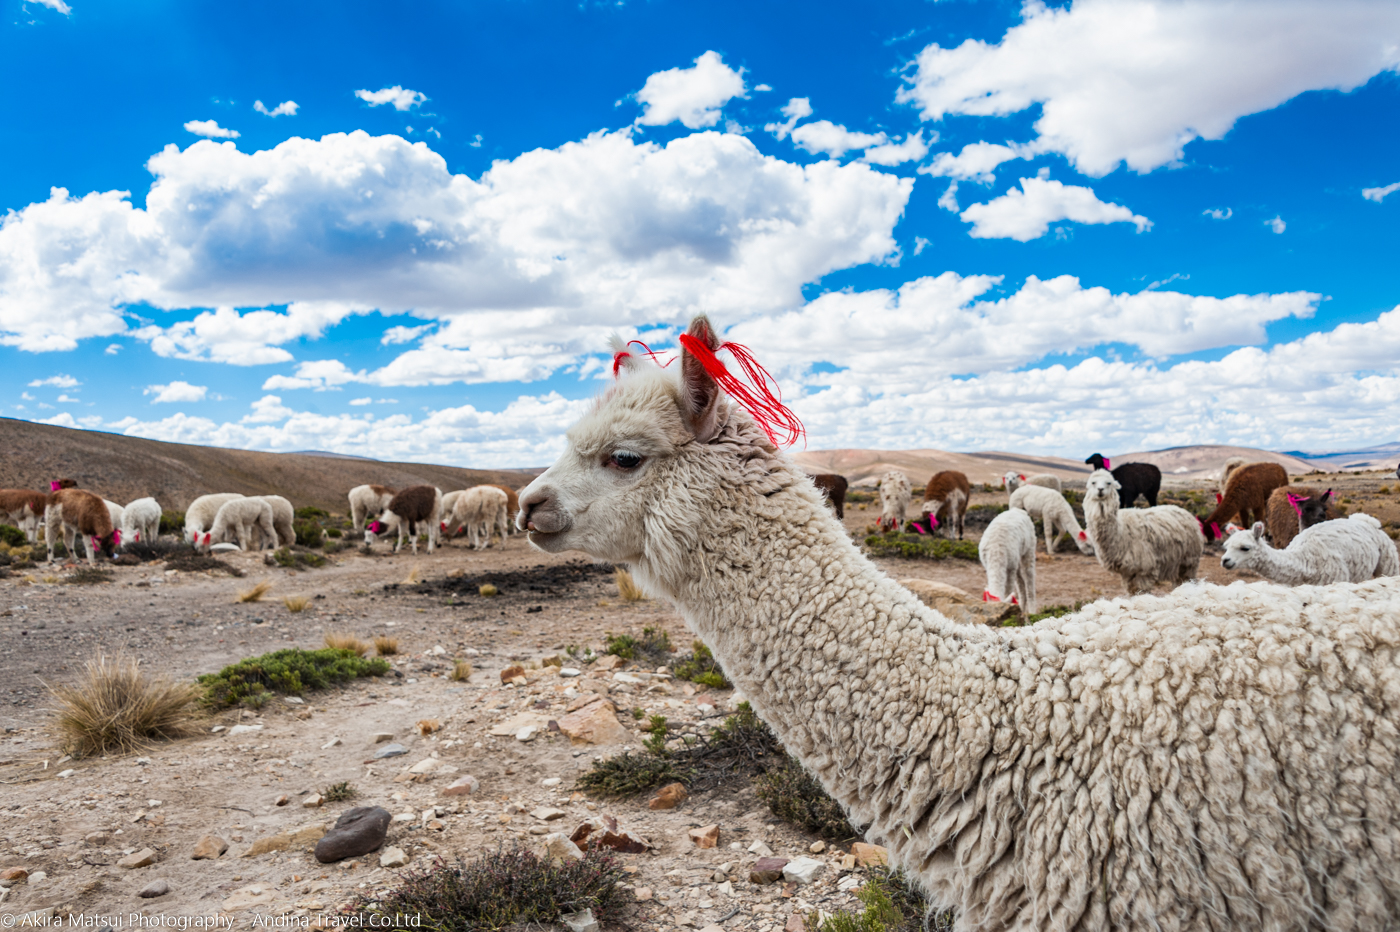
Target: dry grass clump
(296,603)
(427,726)
(414,577)
(114,708)
(339,640)
(627,588)
(256,593)
(461,672)
(385,646)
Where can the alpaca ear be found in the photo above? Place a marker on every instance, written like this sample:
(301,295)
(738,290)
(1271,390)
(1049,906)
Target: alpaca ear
(699,391)
(1258,530)
(1326,495)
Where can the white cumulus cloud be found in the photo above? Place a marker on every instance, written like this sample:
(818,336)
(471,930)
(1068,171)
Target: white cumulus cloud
(825,137)
(694,95)
(57,381)
(249,339)
(798,108)
(403,334)
(400,97)
(1027,213)
(57,5)
(357,401)
(1136,80)
(285,108)
(268,410)
(1379,194)
(976,162)
(210,128)
(1276,224)
(1218,213)
(176,391)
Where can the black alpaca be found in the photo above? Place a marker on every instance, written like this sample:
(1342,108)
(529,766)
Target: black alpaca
(1135,478)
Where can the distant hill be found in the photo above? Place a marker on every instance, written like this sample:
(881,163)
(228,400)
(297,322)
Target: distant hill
(1204,461)
(126,468)
(1384,456)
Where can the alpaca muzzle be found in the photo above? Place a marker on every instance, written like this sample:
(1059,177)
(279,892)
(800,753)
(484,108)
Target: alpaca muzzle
(541,513)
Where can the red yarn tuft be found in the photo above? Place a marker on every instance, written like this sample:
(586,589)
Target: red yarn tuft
(988,597)
(1083,536)
(761,396)
(646,351)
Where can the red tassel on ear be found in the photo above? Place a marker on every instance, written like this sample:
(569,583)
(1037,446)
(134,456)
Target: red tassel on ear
(1083,536)
(1218,498)
(764,400)
(646,351)
(988,597)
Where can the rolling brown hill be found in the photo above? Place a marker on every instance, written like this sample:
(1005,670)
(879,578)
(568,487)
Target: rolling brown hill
(126,468)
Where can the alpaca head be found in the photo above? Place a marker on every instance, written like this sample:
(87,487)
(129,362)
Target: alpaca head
(661,449)
(373,529)
(1101,490)
(1312,510)
(1098,461)
(1243,547)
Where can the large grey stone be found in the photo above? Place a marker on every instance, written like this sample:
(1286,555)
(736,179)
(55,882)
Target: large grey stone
(358,831)
(390,750)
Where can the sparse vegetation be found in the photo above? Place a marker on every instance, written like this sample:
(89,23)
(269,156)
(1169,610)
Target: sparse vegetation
(627,588)
(12,536)
(920,546)
(89,576)
(654,645)
(1054,611)
(296,603)
(291,671)
(487,590)
(339,640)
(294,559)
(256,593)
(461,672)
(508,888)
(311,513)
(701,667)
(889,903)
(795,796)
(340,792)
(114,708)
(172,522)
(308,534)
(386,646)
(414,577)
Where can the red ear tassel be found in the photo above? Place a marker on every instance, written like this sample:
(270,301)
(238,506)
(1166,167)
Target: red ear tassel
(764,400)
(646,351)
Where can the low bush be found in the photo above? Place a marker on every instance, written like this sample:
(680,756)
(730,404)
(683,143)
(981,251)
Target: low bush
(291,671)
(89,576)
(288,558)
(654,645)
(339,792)
(701,667)
(308,534)
(508,888)
(113,708)
(889,903)
(11,535)
(920,546)
(256,593)
(172,522)
(461,672)
(795,796)
(296,603)
(311,513)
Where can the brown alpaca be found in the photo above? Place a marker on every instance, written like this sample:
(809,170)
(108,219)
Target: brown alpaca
(946,497)
(1247,494)
(1293,508)
(87,515)
(834,488)
(23,508)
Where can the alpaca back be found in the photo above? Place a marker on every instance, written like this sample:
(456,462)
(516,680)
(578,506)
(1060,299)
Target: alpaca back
(1353,550)
(895,493)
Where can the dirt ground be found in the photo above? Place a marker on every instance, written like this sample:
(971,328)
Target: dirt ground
(68,822)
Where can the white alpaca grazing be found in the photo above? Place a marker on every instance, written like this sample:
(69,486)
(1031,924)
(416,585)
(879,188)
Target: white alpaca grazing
(481,510)
(1353,550)
(199,517)
(1007,552)
(1055,514)
(246,522)
(1218,758)
(449,502)
(115,513)
(283,517)
(366,501)
(1014,480)
(895,494)
(1146,547)
(141,522)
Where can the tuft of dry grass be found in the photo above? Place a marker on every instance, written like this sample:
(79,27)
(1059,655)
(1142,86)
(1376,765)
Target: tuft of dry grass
(461,671)
(339,640)
(256,593)
(385,646)
(296,603)
(487,590)
(427,726)
(415,576)
(114,708)
(628,589)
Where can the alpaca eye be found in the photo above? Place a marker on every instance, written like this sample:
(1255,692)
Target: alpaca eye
(625,459)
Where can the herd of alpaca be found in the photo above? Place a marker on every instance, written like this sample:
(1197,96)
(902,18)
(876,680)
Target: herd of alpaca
(86,522)
(1219,757)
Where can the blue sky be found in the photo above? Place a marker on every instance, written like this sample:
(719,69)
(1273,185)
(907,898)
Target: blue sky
(963,225)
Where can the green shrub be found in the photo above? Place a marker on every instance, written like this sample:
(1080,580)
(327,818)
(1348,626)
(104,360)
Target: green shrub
(889,903)
(89,576)
(920,546)
(11,535)
(654,645)
(701,667)
(311,513)
(339,792)
(334,532)
(795,796)
(172,522)
(290,671)
(1054,611)
(308,534)
(294,559)
(510,888)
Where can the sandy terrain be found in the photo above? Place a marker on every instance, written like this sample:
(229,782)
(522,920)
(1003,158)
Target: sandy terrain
(74,828)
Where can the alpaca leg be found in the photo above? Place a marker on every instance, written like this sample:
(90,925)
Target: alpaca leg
(1027,586)
(91,550)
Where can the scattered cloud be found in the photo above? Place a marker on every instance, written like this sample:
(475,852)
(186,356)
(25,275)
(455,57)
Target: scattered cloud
(1276,224)
(1378,194)
(113,349)
(976,162)
(210,128)
(268,410)
(357,401)
(401,97)
(285,108)
(57,381)
(762,88)
(1181,70)
(176,391)
(26,396)
(920,244)
(476,141)
(249,339)
(948,200)
(319,374)
(798,108)
(694,95)
(825,137)
(1027,213)
(1218,213)
(67,399)
(57,5)
(403,334)
(911,149)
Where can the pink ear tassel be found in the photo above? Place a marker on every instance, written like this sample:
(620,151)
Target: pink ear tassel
(53,486)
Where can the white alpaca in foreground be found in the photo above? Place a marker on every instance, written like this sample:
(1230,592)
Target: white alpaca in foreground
(1353,550)
(246,522)
(1007,552)
(1221,758)
(1146,547)
(895,494)
(1055,514)
(199,517)
(141,521)
(481,510)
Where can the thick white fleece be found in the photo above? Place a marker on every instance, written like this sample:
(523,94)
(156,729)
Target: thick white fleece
(481,509)
(1354,550)
(1146,547)
(199,517)
(895,494)
(141,521)
(246,522)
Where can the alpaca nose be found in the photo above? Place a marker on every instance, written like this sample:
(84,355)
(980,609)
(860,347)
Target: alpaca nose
(540,511)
